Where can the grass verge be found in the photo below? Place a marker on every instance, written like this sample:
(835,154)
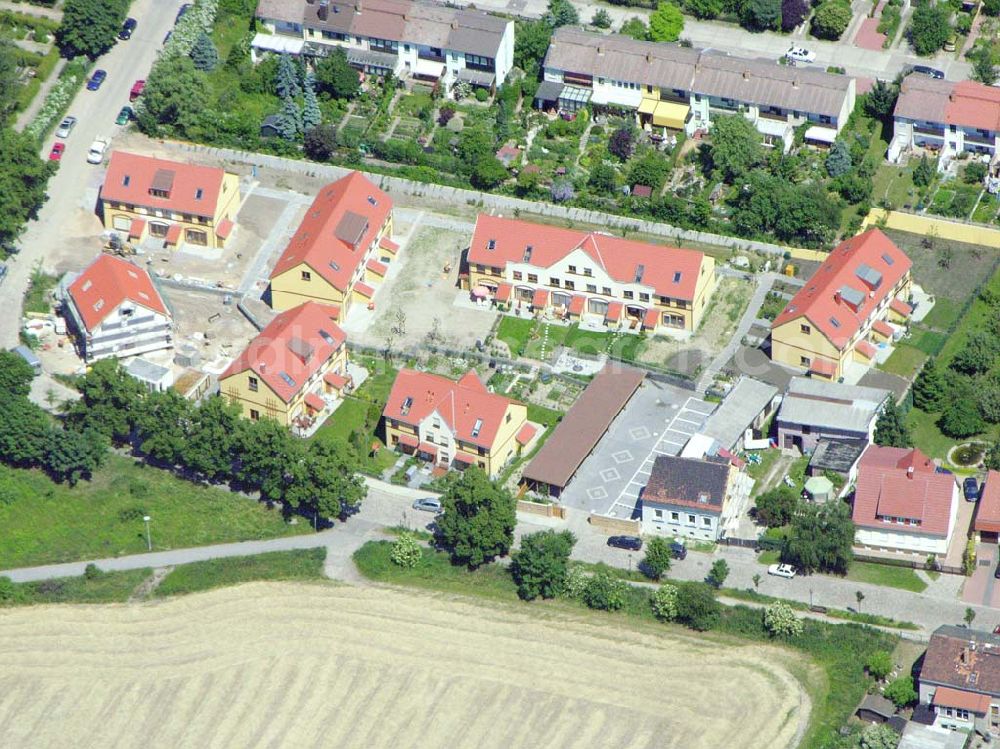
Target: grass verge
(886,575)
(104,587)
(298,564)
(46,523)
(840,650)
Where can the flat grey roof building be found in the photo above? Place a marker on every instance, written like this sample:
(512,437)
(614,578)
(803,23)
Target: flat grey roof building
(830,405)
(739,409)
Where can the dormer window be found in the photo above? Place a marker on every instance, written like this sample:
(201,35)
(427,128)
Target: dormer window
(371,199)
(527,254)
(125,180)
(491,244)
(405,408)
(198,194)
(677,277)
(477,427)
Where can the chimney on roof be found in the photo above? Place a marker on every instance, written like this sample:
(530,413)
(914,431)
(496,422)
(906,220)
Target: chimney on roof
(454,24)
(909,472)
(746,75)
(263,367)
(323,12)
(600,50)
(649,57)
(795,82)
(357,6)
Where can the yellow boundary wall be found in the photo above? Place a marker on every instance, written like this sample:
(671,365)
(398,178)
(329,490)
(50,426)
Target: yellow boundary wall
(955,231)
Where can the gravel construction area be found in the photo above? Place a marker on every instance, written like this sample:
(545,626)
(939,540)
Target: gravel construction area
(325,665)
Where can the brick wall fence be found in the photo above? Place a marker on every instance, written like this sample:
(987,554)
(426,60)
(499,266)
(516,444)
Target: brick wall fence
(541,509)
(612,526)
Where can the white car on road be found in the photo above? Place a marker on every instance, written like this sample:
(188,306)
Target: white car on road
(96,153)
(782,570)
(800,54)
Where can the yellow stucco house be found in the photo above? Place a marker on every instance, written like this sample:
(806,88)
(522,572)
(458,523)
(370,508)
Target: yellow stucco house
(143,197)
(455,424)
(856,300)
(340,251)
(589,276)
(292,370)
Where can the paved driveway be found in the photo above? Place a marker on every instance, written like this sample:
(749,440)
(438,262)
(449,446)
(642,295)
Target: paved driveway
(658,420)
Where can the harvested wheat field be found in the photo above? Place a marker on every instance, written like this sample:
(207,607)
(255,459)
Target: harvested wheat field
(315,665)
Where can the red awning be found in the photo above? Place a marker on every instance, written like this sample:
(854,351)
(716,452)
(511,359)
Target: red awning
(376,267)
(898,305)
(823,367)
(427,447)
(469,460)
(614,311)
(883,328)
(866,349)
(315,402)
(387,244)
(364,289)
(525,434)
(173,233)
(410,440)
(576,304)
(222,230)
(650,319)
(138,226)
(503,292)
(335,380)
(540,298)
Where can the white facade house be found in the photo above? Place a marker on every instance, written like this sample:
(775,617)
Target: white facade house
(678,88)
(113,310)
(416,40)
(688,497)
(945,116)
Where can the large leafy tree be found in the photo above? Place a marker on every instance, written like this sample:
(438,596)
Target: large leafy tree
(651,168)
(697,607)
(71,455)
(210,446)
(15,374)
(531,40)
(776,506)
(335,77)
(324,482)
(109,403)
(961,416)
(977,355)
(736,146)
(90,27)
(162,426)
(831,19)
(23,179)
(24,430)
(562,13)
(9,82)
(320,143)
(891,429)
(478,521)
(762,15)
(704,8)
(174,96)
(880,101)
(656,561)
(666,23)
(622,143)
(930,27)
(267,457)
(793,213)
(539,566)
(602,177)
(793,12)
(820,538)
(636,28)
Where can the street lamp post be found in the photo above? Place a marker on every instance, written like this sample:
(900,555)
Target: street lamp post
(810,597)
(149,540)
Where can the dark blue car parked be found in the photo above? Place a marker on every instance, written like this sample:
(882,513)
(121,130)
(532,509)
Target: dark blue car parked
(96,80)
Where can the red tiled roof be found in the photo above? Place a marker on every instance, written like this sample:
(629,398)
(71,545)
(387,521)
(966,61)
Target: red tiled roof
(614,311)
(376,267)
(886,487)
(295,345)
(988,507)
(335,379)
(461,457)
(974,105)
(136,227)
(651,318)
(341,213)
(106,283)
(315,402)
(540,298)
(866,349)
(461,405)
(965,659)
(949,697)
(903,308)
(387,244)
(820,300)
(823,367)
(184,180)
(408,439)
(619,258)
(576,304)
(364,289)
(173,233)
(222,230)
(503,292)
(526,434)
(881,326)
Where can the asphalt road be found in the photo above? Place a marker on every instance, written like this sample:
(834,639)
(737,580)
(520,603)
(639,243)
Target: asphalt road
(73,188)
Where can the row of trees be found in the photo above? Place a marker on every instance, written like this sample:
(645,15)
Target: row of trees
(205,442)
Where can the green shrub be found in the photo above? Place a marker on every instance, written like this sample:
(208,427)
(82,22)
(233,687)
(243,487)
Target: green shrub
(406,551)
(901,692)
(697,607)
(879,664)
(605,592)
(664,603)
(92,571)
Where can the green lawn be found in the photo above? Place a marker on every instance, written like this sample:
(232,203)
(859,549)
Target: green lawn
(543,415)
(515,332)
(411,104)
(943,314)
(904,361)
(926,435)
(299,564)
(104,587)
(883,574)
(37,298)
(47,523)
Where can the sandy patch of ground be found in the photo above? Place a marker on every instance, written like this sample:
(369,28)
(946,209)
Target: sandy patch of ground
(726,307)
(313,665)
